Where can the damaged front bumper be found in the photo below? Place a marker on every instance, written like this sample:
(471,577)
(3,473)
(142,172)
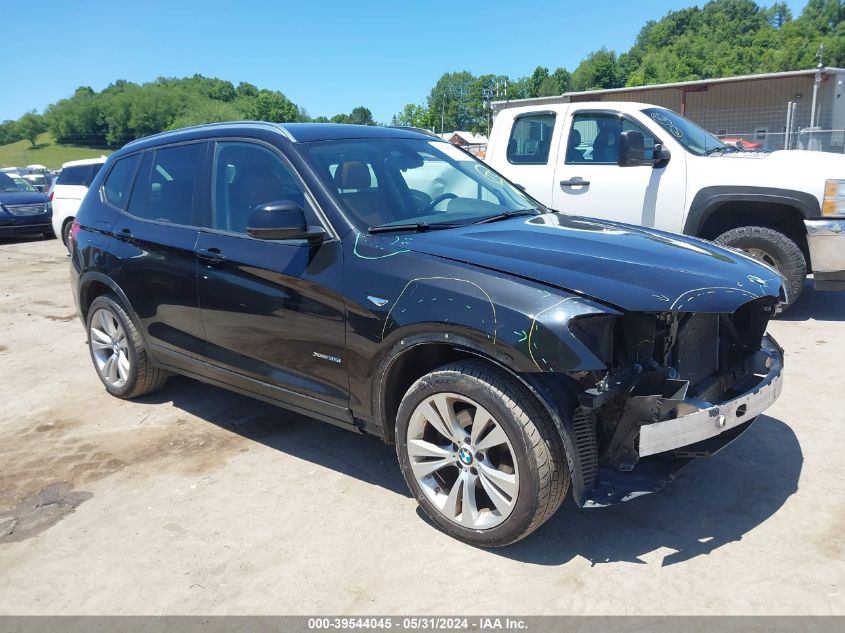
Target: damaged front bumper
(700,429)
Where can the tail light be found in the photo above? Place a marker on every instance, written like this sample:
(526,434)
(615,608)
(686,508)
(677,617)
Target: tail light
(74,231)
(52,193)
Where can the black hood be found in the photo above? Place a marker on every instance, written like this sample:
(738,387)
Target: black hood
(630,267)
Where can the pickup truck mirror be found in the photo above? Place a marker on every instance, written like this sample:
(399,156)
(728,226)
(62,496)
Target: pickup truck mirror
(282,220)
(632,149)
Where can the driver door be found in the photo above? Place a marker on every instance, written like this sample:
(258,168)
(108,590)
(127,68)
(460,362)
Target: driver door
(590,182)
(272,310)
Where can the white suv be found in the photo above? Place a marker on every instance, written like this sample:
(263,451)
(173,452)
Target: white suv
(68,191)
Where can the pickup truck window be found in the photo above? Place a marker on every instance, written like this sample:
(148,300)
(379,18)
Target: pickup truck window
(593,138)
(693,138)
(531,136)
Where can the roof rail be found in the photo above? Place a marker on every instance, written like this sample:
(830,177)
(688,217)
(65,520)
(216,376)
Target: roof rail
(265,124)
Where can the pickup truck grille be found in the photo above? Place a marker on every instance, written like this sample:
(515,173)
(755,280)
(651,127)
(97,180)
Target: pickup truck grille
(26,209)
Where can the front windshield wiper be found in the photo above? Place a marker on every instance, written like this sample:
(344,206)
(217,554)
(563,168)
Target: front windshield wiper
(723,148)
(505,215)
(418,227)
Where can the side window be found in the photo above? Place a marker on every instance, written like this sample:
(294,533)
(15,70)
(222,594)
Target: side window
(119,181)
(531,136)
(166,183)
(594,137)
(75,175)
(95,169)
(246,176)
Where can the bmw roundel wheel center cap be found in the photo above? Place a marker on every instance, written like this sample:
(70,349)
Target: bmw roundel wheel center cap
(465,455)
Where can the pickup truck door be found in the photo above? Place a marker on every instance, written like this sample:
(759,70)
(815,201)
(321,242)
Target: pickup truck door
(531,152)
(588,180)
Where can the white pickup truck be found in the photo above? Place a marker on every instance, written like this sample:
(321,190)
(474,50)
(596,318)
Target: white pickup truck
(642,164)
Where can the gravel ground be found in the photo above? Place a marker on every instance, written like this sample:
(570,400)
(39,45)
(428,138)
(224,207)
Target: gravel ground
(197,501)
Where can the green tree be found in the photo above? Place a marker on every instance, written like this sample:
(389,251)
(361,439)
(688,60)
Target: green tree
(449,101)
(30,125)
(273,106)
(599,70)
(412,115)
(361,116)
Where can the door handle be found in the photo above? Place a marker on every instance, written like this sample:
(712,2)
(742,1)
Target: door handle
(124,235)
(575,182)
(211,256)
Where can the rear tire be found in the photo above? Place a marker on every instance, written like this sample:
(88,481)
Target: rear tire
(773,248)
(118,351)
(506,462)
(66,227)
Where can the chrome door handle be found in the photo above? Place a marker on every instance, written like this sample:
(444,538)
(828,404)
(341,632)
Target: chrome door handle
(575,182)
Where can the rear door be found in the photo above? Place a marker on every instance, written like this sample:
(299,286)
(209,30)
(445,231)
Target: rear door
(156,234)
(532,145)
(273,310)
(588,180)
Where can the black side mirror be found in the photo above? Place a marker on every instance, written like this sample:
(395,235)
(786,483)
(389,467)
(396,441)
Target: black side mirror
(661,155)
(282,220)
(632,149)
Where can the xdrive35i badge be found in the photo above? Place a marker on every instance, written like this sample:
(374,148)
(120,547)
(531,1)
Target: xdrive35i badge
(334,359)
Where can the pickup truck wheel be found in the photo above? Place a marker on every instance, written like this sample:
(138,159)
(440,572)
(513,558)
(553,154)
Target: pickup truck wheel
(774,249)
(118,351)
(480,454)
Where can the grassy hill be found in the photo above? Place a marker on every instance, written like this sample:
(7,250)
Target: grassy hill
(46,152)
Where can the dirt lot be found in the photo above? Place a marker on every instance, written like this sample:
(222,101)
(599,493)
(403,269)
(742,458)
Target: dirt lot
(195,500)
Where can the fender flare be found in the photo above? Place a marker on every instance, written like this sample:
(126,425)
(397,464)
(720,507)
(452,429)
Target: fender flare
(86,279)
(708,200)
(548,388)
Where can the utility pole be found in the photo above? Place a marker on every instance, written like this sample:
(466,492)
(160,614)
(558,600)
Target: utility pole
(819,67)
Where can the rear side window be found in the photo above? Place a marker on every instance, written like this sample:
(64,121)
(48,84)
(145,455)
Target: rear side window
(531,137)
(167,183)
(75,175)
(119,181)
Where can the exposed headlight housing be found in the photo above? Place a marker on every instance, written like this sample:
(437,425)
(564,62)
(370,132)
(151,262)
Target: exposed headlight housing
(834,197)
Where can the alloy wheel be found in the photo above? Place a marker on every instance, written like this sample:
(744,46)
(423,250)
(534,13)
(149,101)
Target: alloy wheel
(110,348)
(462,460)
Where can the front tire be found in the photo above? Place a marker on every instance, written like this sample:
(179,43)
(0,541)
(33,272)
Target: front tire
(480,454)
(773,248)
(118,351)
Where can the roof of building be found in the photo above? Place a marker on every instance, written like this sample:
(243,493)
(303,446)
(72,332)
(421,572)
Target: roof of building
(678,84)
(469,137)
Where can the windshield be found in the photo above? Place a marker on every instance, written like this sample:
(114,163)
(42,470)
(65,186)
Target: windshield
(9,183)
(385,181)
(694,139)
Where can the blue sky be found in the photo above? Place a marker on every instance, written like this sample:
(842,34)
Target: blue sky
(327,56)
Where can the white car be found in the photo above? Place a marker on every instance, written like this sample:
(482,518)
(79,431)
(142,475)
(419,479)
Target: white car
(69,189)
(643,164)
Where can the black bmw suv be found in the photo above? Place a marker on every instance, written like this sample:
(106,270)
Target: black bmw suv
(387,282)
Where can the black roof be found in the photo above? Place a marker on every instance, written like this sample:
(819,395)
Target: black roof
(292,132)
(306,132)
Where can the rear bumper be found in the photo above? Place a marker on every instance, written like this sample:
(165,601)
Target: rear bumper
(826,242)
(701,431)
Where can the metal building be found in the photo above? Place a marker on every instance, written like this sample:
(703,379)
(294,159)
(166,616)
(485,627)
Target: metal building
(773,109)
